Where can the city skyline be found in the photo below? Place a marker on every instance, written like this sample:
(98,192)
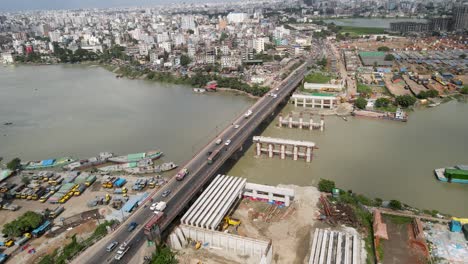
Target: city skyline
(27,5)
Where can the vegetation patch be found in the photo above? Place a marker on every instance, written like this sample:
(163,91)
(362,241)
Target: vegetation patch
(317,77)
(398,220)
(361,30)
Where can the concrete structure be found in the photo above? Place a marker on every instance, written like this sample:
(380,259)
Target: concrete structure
(335,247)
(270,193)
(314,101)
(214,203)
(256,251)
(371,58)
(325,87)
(287,147)
(460,17)
(289,122)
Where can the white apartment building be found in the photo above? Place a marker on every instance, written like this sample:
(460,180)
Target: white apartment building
(236,17)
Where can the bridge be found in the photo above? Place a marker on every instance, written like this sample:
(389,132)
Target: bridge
(182,192)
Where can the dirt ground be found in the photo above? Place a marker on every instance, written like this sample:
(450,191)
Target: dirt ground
(289,229)
(397,248)
(397,88)
(44,246)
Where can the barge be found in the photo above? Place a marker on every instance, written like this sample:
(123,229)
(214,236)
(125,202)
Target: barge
(456,174)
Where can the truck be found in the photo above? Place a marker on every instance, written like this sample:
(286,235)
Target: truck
(139,184)
(181,174)
(11,207)
(151,228)
(81,188)
(23,239)
(38,193)
(248,114)
(56,212)
(45,197)
(3,257)
(120,190)
(160,206)
(120,182)
(152,183)
(90,180)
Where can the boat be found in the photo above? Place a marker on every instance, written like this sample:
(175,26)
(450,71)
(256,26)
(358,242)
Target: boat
(455,174)
(86,163)
(48,163)
(344,118)
(136,157)
(199,90)
(434,104)
(148,168)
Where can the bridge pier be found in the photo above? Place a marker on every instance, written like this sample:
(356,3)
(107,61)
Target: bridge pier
(301,124)
(293,148)
(314,101)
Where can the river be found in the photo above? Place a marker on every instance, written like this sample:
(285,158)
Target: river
(378,158)
(82,110)
(371,22)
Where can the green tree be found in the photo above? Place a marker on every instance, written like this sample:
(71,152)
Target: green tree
(14,164)
(190,31)
(223,36)
(462,56)
(464,90)
(382,102)
(25,180)
(389,57)
(185,60)
(326,185)
(405,100)
(25,223)
(383,48)
(395,205)
(163,255)
(360,103)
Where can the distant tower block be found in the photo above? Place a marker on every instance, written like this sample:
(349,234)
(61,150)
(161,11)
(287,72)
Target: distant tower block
(291,123)
(292,148)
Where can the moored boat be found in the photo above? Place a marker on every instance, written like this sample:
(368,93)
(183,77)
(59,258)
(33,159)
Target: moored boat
(94,161)
(136,157)
(48,163)
(456,174)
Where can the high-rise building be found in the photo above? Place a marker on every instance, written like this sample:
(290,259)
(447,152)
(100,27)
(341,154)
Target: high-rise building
(460,17)
(236,17)
(440,23)
(188,22)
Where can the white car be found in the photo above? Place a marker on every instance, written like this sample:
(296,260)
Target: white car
(153,206)
(236,126)
(277,89)
(227,142)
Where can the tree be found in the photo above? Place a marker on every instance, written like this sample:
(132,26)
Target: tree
(383,48)
(190,31)
(223,36)
(25,223)
(25,180)
(464,90)
(389,57)
(185,60)
(14,164)
(395,205)
(405,100)
(382,102)
(163,255)
(462,56)
(326,185)
(360,103)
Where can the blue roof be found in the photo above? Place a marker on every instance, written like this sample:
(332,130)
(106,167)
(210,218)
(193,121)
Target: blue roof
(133,201)
(48,162)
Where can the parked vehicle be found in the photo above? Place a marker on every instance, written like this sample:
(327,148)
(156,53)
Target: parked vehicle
(3,257)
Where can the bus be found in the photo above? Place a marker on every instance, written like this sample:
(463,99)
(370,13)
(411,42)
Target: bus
(41,229)
(151,228)
(214,155)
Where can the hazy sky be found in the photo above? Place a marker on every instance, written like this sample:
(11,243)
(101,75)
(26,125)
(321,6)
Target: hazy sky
(15,5)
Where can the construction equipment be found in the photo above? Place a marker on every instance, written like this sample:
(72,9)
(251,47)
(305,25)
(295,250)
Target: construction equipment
(228,221)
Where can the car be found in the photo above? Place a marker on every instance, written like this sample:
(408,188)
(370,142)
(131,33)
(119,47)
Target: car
(153,206)
(111,246)
(123,246)
(132,226)
(166,193)
(236,126)
(277,89)
(227,142)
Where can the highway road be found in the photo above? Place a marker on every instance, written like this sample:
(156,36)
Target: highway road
(182,192)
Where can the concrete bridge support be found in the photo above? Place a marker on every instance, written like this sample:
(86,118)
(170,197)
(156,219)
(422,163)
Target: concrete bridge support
(301,124)
(293,148)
